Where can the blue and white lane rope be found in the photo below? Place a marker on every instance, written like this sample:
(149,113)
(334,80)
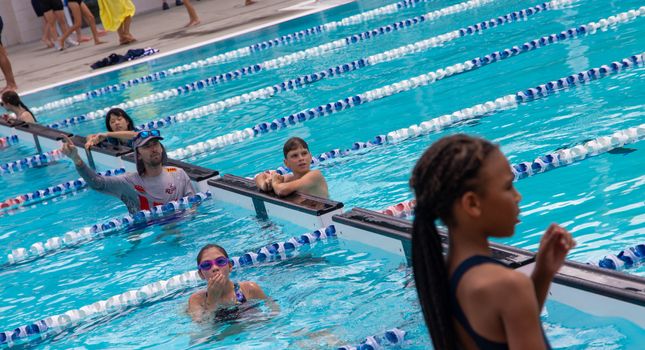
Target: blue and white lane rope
(626,259)
(554,160)
(160,289)
(100,230)
(391,337)
(276,62)
(231,55)
(337,70)
(8,141)
(479,110)
(30,162)
(52,191)
(580,152)
(379,93)
(234,54)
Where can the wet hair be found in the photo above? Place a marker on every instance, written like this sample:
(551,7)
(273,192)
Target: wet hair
(121,113)
(12,98)
(207,247)
(444,173)
(294,143)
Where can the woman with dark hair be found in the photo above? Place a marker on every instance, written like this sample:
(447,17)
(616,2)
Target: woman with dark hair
(214,266)
(11,102)
(120,130)
(471,301)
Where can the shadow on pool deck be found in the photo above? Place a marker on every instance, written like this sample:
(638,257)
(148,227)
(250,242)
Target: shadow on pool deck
(36,66)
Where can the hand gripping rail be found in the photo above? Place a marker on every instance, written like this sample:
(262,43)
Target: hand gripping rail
(231,55)
(591,289)
(100,230)
(337,70)
(276,62)
(157,290)
(301,209)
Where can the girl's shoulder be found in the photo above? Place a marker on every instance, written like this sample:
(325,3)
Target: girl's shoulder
(251,289)
(197,296)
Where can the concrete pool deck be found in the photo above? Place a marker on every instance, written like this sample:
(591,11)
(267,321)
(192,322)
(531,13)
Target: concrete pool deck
(37,67)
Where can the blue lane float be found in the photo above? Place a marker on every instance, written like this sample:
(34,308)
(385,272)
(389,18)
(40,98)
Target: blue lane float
(231,55)
(555,160)
(277,62)
(487,108)
(391,337)
(626,259)
(31,162)
(52,191)
(334,71)
(158,290)
(101,230)
(8,141)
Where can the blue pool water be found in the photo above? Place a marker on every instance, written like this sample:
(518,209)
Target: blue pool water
(339,293)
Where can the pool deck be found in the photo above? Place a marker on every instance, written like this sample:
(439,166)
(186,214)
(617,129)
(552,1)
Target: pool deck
(37,67)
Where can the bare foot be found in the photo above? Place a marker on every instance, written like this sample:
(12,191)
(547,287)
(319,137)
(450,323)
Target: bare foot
(193,23)
(84,39)
(99,42)
(47,42)
(101,33)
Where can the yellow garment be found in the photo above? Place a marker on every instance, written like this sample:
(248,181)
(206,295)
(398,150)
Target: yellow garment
(114,12)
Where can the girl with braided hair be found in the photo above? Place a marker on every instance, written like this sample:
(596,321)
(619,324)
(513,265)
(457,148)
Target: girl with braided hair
(469,300)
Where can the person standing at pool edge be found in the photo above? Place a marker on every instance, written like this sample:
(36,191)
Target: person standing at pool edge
(152,184)
(475,302)
(214,266)
(297,158)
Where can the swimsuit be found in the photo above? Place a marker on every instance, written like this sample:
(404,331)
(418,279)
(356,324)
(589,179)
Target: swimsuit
(51,5)
(481,342)
(233,312)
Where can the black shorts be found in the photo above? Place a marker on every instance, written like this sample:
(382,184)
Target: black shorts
(51,5)
(76,1)
(38,8)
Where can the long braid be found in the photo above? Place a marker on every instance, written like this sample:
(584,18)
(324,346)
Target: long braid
(445,171)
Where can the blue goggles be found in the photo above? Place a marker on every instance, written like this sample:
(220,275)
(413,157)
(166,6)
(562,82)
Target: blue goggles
(147,133)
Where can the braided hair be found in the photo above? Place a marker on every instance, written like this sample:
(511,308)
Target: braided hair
(445,171)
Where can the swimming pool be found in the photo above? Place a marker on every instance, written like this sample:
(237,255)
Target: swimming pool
(600,200)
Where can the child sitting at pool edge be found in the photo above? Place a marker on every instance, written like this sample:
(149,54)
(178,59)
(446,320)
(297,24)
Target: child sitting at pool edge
(302,179)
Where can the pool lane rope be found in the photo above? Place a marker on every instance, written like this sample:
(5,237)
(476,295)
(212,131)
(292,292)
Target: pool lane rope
(8,141)
(300,81)
(277,62)
(628,258)
(234,54)
(551,161)
(485,109)
(52,191)
(158,290)
(409,84)
(391,337)
(101,230)
(31,162)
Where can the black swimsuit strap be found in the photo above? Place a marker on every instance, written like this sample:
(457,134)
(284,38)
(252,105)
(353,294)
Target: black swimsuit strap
(482,343)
